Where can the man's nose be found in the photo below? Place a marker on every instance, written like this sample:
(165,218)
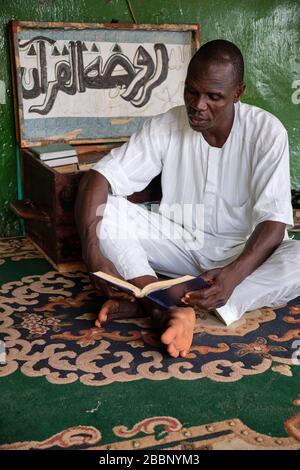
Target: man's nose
(201,103)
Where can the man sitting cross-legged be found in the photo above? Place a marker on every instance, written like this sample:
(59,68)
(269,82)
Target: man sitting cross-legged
(227,158)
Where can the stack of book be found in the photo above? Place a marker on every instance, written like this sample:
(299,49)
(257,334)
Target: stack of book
(56,155)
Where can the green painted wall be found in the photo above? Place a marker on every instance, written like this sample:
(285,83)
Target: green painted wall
(267,31)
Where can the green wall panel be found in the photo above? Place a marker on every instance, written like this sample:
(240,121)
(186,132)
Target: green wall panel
(267,31)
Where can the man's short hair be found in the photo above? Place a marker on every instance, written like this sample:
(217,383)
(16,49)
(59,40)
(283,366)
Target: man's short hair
(222,51)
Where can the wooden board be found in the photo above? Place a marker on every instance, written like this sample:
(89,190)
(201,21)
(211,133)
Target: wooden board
(48,210)
(89,83)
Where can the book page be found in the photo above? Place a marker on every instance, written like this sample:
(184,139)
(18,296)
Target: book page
(164,284)
(119,282)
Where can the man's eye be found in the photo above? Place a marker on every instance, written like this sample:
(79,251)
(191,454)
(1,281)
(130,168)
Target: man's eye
(214,97)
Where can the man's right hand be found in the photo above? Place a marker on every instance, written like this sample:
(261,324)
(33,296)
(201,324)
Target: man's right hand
(103,287)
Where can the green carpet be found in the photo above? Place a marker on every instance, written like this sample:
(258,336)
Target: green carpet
(66,384)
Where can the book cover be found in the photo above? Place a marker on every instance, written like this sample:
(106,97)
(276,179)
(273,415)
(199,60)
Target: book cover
(167,293)
(47,152)
(61,161)
(171,296)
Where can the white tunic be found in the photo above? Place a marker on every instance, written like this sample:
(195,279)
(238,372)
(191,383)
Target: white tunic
(245,182)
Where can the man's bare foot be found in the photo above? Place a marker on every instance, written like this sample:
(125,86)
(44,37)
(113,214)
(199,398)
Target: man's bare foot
(114,309)
(178,335)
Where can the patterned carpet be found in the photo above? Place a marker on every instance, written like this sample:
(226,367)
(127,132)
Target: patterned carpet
(66,384)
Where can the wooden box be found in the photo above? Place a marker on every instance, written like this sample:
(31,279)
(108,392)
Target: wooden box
(91,86)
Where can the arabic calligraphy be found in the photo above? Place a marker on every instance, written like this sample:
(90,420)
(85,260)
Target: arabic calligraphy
(136,78)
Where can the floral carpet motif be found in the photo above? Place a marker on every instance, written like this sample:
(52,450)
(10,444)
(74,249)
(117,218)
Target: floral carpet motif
(66,384)
(17,249)
(47,324)
(167,433)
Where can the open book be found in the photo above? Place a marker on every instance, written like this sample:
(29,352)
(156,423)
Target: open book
(167,293)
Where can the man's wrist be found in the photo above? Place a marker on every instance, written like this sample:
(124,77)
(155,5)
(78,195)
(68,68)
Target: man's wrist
(237,271)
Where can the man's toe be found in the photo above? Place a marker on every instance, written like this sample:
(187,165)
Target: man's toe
(183,353)
(172,350)
(168,336)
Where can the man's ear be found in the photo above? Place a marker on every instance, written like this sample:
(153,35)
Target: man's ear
(239,91)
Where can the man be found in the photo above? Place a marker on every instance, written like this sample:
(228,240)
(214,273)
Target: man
(229,158)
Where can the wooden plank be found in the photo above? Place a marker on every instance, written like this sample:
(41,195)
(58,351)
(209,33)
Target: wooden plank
(39,188)
(69,135)
(125,26)
(13,28)
(45,185)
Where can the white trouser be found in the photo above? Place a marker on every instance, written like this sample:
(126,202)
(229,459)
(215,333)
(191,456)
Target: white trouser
(138,243)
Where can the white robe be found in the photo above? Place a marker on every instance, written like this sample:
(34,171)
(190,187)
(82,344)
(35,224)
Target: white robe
(225,192)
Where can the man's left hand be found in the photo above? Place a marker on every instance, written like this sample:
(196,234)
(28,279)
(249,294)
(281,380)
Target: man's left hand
(223,283)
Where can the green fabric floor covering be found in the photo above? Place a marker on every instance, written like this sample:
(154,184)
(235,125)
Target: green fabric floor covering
(68,385)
